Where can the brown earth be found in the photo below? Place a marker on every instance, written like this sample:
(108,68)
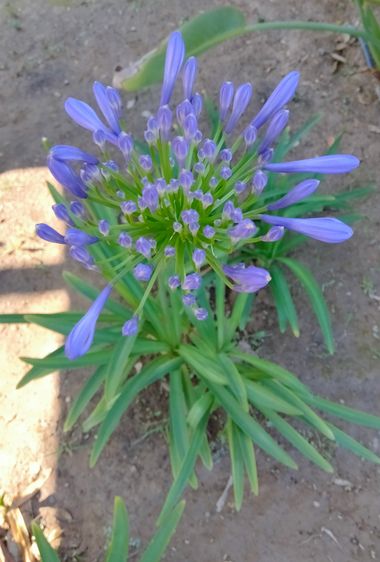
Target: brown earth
(53,49)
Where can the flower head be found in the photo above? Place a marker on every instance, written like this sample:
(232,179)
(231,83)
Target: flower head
(191,198)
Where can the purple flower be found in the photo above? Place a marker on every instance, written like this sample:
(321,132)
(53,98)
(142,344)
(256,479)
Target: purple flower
(240,187)
(225,98)
(225,172)
(164,120)
(131,326)
(189,299)
(145,162)
(144,246)
(76,237)
(80,338)
(82,255)
(85,116)
(66,176)
(260,179)
(192,282)
(128,207)
(104,227)
(226,155)
(209,149)
(209,231)
(189,216)
(200,314)
(67,152)
(109,102)
(249,135)
(169,251)
(325,229)
(62,213)
(48,233)
(199,257)
(244,229)
(274,130)
(174,282)
(241,100)
(280,96)
(197,103)
(142,272)
(125,240)
(228,209)
(180,148)
(332,164)
(150,198)
(207,200)
(274,234)
(247,279)
(125,144)
(76,207)
(175,53)
(194,227)
(186,179)
(189,76)
(299,192)
(190,126)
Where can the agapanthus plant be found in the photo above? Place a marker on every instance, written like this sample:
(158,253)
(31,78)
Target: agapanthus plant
(188,201)
(169,224)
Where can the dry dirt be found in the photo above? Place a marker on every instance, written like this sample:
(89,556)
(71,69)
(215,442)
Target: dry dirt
(51,49)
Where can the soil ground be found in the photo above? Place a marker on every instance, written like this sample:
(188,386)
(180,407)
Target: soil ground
(51,49)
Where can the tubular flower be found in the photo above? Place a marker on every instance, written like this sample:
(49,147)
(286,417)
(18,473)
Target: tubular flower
(189,199)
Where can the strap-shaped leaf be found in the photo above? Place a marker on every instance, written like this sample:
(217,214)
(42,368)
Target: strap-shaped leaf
(273,370)
(119,365)
(82,399)
(47,552)
(307,412)
(186,470)
(235,380)
(13,319)
(348,442)
(248,453)
(205,366)
(259,395)
(344,412)
(316,298)
(161,539)
(237,462)
(152,372)
(118,548)
(297,440)
(286,310)
(250,426)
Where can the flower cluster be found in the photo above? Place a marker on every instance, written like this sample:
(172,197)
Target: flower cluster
(183,200)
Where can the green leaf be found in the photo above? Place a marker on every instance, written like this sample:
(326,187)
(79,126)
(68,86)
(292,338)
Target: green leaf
(13,319)
(58,360)
(237,463)
(247,311)
(63,322)
(248,454)
(199,409)
(47,553)
(119,365)
(205,30)
(286,310)
(344,412)
(307,412)
(250,426)
(273,370)
(348,442)
(185,472)
(179,436)
(205,366)
(297,440)
(235,380)
(118,548)
(82,400)
(259,395)
(161,539)
(238,309)
(220,290)
(316,298)
(152,372)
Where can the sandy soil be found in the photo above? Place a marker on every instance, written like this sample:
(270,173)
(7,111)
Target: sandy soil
(52,49)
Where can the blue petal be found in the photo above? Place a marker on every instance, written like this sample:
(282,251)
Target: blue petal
(280,96)
(67,152)
(332,164)
(325,229)
(175,53)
